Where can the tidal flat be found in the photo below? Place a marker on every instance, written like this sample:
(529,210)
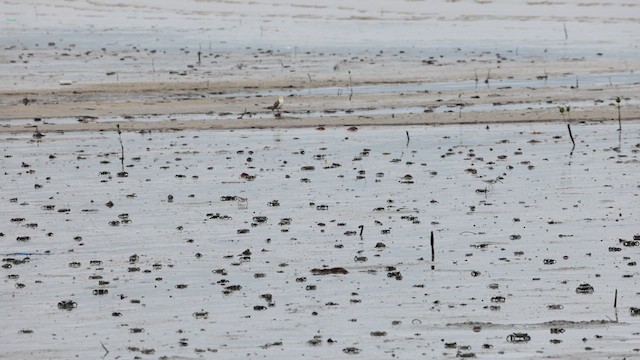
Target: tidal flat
(417,195)
(315,242)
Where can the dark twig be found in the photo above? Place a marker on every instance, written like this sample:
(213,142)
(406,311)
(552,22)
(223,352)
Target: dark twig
(433,251)
(433,254)
(615,304)
(105,349)
(350,87)
(121,146)
(122,173)
(571,136)
(619,117)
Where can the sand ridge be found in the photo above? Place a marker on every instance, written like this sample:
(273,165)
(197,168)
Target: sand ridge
(384,91)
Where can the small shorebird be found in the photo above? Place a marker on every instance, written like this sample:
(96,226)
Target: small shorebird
(277,105)
(38,134)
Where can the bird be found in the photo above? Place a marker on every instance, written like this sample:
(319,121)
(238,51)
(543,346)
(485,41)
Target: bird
(277,105)
(37,134)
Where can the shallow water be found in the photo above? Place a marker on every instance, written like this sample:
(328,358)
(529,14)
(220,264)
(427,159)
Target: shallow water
(334,23)
(531,199)
(145,41)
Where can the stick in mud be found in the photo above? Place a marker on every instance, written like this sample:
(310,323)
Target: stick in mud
(121,145)
(122,173)
(243,114)
(571,135)
(615,304)
(433,253)
(350,87)
(619,122)
(408,138)
(105,349)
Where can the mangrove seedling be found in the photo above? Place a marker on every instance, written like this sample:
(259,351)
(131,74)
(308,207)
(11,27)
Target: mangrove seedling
(562,111)
(565,109)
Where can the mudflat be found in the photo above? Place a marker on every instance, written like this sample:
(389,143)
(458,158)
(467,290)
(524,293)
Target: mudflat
(417,195)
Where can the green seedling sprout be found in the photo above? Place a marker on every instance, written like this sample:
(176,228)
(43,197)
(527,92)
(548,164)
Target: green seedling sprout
(567,109)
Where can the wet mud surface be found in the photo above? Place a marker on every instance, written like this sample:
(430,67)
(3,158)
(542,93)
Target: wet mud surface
(315,242)
(153,206)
